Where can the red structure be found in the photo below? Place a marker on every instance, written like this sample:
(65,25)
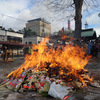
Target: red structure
(16,46)
(69,24)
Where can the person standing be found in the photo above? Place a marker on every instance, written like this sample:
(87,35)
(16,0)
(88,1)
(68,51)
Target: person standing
(85,47)
(4,52)
(30,50)
(0,50)
(96,49)
(90,45)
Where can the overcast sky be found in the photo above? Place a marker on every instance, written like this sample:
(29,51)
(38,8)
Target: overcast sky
(15,14)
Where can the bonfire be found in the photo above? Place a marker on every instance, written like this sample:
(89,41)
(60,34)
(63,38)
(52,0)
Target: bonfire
(66,64)
(47,67)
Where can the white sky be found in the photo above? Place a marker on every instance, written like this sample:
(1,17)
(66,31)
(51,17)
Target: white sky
(26,10)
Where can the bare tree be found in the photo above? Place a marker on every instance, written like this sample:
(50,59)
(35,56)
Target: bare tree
(78,9)
(72,9)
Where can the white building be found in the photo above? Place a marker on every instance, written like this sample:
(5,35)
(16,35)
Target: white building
(8,36)
(33,39)
(13,40)
(3,36)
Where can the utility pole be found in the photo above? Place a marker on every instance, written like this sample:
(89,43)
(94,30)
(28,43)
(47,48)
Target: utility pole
(2,19)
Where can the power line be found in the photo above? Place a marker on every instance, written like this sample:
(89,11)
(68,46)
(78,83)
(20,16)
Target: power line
(13,17)
(36,28)
(16,19)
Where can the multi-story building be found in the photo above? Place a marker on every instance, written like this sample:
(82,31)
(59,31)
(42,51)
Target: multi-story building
(13,37)
(40,26)
(13,41)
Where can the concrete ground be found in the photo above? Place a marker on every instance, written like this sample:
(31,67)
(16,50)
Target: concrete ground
(88,93)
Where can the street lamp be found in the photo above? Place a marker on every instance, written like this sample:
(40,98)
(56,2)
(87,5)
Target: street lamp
(86,25)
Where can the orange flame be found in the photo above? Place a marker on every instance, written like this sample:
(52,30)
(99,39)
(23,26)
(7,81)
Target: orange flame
(64,37)
(69,62)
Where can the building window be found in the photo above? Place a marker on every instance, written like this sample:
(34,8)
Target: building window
(25,42)
(38,41)
(30,42)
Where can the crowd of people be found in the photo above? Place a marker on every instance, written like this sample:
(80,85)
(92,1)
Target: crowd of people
(90,47)
(93,48)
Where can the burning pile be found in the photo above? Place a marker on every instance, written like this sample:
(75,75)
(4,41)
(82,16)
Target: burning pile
(46,65)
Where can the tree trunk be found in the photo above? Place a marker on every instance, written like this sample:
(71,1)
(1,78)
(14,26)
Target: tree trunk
(78,17)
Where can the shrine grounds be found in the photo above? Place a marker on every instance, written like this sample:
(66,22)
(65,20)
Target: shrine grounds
(88,93)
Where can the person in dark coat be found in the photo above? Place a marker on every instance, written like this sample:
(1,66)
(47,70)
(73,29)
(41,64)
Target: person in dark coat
(90,45)
(1,50)
(4,52)
(96,49)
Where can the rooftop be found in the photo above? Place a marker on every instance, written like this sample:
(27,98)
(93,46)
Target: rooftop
(39,19)
(88,32)
(85,33)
